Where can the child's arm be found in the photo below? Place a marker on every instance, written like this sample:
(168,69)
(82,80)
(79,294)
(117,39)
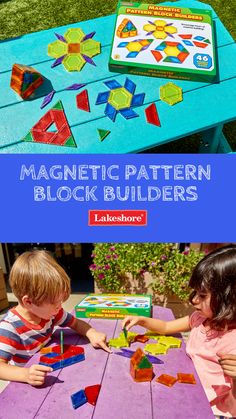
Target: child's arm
(159,326)
(34,375)
(228,364)
(97,339)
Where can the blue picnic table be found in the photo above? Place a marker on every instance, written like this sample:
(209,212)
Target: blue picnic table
(205,108)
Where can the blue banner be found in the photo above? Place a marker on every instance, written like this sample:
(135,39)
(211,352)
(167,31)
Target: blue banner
(120,198)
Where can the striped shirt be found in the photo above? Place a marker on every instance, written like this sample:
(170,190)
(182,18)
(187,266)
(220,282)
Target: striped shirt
(19,339)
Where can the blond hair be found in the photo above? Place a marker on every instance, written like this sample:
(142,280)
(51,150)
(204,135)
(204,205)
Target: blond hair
(38,275)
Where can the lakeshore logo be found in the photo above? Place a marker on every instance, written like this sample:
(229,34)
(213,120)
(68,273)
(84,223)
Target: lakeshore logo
(135,218)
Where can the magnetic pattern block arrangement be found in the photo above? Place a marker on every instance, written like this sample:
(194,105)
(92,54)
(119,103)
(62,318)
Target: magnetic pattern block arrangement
(39,132)
(89,394)
(141,368)
(126,29)
(174,52)
(160,29)
(120,99)
(74,49)
(198,41)
(135,47)
(56,360)
(25,80)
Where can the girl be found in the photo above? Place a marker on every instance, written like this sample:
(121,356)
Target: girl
(212,341)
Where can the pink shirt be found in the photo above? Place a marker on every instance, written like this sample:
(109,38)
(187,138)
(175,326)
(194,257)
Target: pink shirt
(202,347)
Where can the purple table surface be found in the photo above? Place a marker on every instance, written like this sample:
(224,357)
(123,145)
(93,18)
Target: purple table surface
(120,397)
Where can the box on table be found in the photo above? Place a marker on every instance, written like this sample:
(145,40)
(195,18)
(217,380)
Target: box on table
(114,306)
(164,41)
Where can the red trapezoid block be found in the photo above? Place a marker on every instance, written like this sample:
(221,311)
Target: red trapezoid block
(92,393)
(82,101)
(200,44)
(157,55)
(152,115)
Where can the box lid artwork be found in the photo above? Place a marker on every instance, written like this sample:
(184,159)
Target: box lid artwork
(114,306)
(164,41)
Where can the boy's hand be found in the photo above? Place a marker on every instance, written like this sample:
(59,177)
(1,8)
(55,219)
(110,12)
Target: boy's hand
(131,321)
(98,340)
(228,364)
(36,374)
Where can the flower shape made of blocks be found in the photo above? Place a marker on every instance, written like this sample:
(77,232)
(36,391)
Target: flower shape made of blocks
(160,29)
(120,99)
(74,49)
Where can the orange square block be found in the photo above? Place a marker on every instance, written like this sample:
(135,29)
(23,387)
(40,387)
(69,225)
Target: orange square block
(186,378)
(74,48)
(167,380)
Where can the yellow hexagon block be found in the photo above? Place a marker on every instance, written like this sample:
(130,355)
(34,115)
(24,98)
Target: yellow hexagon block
(134,46)
(149,27)
(172,51)
(120,98)
(160,23)
(160,34)
(171,94)
(57,48)
(74,35)
(73,62)
(90,47)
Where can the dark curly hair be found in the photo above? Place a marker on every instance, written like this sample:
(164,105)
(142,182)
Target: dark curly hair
(216,273)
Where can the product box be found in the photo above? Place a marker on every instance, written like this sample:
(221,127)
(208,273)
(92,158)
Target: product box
(114,306)
(164,41)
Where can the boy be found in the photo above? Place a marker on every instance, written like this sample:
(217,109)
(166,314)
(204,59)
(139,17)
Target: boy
(41,286)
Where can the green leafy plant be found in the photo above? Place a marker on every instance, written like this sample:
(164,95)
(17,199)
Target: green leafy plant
(121,268)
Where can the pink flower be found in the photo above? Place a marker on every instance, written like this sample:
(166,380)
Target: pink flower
(107,266)
(101,276)
(163,257)
(153,264)
(112,248)
(108,256)
(115,256)
(93,267)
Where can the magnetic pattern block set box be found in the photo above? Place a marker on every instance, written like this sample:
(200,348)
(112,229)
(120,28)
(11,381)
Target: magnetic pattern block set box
(114,306)
(160,41)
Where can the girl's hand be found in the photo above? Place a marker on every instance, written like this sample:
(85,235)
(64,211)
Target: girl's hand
(228,364)
(36,374)
(131,321)
(98,340)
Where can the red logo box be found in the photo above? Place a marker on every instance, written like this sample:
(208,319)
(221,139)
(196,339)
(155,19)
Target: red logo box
(117,218)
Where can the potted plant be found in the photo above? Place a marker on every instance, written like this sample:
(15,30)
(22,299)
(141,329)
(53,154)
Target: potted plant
(141,268)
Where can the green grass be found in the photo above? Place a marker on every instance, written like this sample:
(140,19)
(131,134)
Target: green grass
(18,17)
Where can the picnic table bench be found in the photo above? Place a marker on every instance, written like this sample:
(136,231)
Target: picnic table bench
(120,396)
(205,108)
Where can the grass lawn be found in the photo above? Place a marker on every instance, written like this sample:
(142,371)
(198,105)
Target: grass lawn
(18,17)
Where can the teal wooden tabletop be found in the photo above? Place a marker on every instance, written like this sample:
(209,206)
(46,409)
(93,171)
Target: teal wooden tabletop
(205,106)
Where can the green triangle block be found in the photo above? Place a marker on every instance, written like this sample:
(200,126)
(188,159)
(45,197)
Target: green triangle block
(207,41)
(103,133)
(58,105)
(70,142)
(28,137)
(145,363)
